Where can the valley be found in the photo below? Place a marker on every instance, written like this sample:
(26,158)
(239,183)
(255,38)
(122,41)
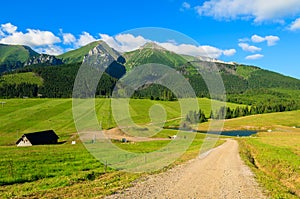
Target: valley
(36,94)
(56,170)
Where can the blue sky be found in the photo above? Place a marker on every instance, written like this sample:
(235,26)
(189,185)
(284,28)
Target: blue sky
(251,32)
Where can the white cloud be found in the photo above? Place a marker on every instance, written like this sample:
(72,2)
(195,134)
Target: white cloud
(205,50)
(1,33)
(295,25)
(188,49)
(124,42)
(271,40)
(68,38)
(243,40)
(48,43)
(248,48)
(257,39)
(229,52)
(186,5)
(256,56)
(31,38)
(129,42)
(8,28)
(259,10)
(50,50)
(84,39)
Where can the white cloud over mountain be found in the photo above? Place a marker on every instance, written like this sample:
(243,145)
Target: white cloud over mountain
(30,38)
(42,41)
(84,39)
(259,10)
(47,42)
(129,42)
(8,28)
(68,38)
(51,50)
(124,42)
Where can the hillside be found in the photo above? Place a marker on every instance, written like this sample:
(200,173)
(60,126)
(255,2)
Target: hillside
(19,78)
(14,56)
(244,84)
(152,53)
(77,55)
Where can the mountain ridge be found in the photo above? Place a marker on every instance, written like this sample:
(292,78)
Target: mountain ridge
(244,84)
(245,77)
(147,53)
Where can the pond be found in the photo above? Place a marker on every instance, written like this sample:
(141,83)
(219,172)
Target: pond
(237,133)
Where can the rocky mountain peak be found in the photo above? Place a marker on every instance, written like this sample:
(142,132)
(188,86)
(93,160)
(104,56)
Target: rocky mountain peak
(43,59)
(105,53)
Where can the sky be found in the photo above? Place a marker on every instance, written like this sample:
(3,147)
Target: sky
(264,33)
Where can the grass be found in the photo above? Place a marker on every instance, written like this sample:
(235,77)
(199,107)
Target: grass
(66,170)
(57,172)
(70,171)
(276,165)
(245,71)
(19,116)
(18,78)
(263,122)
(150,55)
(14,53)
(274,156)
(76,56)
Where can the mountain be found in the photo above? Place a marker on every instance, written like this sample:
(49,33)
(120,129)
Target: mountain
(103,53)
(77,55)
(152,53)
(244,84)
(14,56)
(43,59)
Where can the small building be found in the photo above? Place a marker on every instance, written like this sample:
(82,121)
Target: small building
(38,138)
(173,137)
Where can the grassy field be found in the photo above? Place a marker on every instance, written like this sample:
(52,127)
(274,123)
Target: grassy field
(65,170)
(19,116)
(18,78)
(273,156)
(71,171)
(60,171)
(263,122)
(275,159)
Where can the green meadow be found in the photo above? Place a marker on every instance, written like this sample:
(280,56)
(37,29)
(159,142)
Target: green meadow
(273,156)
(29,77)
(65,169)
(19,116)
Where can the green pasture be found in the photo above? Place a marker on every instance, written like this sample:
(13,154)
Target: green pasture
(19,116)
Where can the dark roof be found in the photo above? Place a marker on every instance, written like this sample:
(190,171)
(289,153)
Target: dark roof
(42,137)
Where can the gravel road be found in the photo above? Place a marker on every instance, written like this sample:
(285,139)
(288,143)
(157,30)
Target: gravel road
(219,174)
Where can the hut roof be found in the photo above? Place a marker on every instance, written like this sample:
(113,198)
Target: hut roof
(42,137)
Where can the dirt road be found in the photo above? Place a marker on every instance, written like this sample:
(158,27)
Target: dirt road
(220,174)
